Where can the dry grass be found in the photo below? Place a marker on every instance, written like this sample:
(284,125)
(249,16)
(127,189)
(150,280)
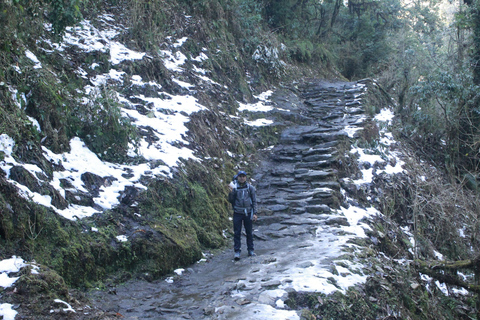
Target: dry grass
(442,213)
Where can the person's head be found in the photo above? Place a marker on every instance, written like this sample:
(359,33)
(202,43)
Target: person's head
(242,176)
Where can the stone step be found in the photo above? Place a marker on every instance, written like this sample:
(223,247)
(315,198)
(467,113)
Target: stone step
(294,149)
(326,184)
(294,135)
(282,172)
(322,208)
(270,198)
(315,107)
(329,201)
(355,111)
(318,150)
(352,103)
(280,158)
(354,120)
(319,165)
(334,115)
(281,182)
(349,94)
(315,137)
(315,175)
(323,94)
(298,211)
(324,104)
(308,194)
(270,220)
(295,189)
(317,157)
(277,207)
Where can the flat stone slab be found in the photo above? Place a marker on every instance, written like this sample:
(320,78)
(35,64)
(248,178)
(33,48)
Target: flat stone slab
(326,184)
(278,207)
(312,175)
(318,157)
(319,150)
(322,208)
(318,165)
(341,221)
(322,201)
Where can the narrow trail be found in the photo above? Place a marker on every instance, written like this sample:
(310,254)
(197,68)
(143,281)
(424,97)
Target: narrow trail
(299,234)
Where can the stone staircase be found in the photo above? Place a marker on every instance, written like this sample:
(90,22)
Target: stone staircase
(298,175)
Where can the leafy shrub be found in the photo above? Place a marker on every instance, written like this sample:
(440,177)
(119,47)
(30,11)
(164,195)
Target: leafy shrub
(247,23)
(100,124)
(302,51)
(48,104)
(306,51)
(63,14)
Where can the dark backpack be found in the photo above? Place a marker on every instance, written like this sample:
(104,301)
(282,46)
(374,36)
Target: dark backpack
(241,198)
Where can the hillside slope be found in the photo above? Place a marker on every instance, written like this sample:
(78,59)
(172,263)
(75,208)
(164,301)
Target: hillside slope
(114,151)
(118,137)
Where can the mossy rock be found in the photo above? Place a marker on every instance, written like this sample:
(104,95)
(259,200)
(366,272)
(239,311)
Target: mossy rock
(307,315)
(39,290)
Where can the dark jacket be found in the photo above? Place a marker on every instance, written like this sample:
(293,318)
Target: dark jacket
(243,199)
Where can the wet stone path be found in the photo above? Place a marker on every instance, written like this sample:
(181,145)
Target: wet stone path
(300,234)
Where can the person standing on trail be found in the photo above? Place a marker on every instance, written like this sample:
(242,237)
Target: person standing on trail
(243,198)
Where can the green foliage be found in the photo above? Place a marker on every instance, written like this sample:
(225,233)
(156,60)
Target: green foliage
(306,51)
(437,98)
(149,21)
(247,23)
(14,123)
(474,19)
(296,19)
(42,287)
(100,123)
(364,44)
(302,51)
(63,13)
(450,112)
(355,38)
(48,105)
(60,13)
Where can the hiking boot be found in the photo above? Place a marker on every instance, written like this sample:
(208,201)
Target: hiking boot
(236,257)
(251,253)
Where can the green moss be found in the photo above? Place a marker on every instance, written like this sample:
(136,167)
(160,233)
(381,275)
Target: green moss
(197,196)
(171,233)
(265,136)
(47,283)
(37,291)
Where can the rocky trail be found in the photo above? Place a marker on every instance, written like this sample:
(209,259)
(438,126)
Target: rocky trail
(301,234)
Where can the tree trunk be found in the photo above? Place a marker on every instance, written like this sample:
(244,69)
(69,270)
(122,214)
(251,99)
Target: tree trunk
(475,6)
(439,271)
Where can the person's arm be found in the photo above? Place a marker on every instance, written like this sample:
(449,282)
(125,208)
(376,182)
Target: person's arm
(231,194)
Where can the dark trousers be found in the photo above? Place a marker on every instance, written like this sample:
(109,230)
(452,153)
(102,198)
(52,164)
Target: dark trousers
(238,219)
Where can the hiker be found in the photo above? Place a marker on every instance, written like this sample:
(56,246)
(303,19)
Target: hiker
(244,202)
